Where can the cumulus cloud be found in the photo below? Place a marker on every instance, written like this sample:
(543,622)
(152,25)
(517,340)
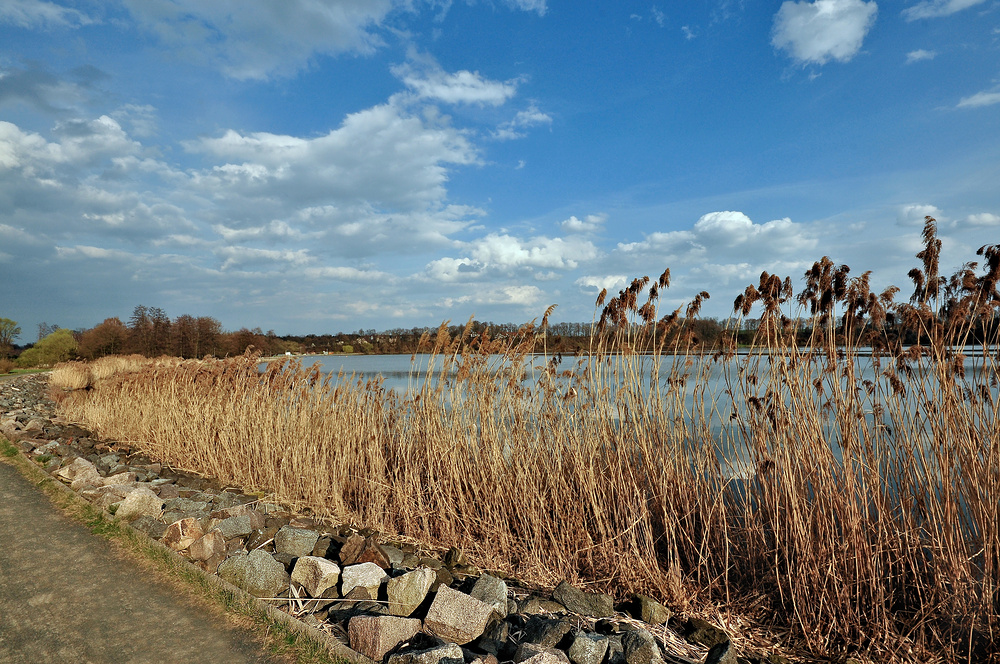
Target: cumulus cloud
(597,283)
(936,8)
(726,234)
(915,214)
(589,224)
(919,55)
(982,219)
(382,156)
(980,99)
(40,14)
(428,80)
(824,30)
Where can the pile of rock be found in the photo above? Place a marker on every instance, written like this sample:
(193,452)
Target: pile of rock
(389,601)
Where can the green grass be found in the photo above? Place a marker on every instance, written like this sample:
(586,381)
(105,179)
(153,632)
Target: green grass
(278,637)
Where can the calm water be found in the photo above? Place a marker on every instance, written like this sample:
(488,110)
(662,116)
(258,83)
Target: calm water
(401,374)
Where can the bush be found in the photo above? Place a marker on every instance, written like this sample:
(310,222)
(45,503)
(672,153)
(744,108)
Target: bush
(57,347)
(6,366)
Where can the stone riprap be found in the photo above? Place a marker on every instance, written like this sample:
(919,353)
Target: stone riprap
(391,601)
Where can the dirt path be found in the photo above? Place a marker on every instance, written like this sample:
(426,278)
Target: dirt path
(67,595)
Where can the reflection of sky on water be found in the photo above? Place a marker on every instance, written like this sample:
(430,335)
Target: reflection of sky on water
(403,375)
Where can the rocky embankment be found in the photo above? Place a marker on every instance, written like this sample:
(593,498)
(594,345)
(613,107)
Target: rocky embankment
(391,601)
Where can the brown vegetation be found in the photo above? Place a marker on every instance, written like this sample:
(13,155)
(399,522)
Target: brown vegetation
(850,497)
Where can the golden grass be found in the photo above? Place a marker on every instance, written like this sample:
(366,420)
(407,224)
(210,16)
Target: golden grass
(71,376)
(847,497)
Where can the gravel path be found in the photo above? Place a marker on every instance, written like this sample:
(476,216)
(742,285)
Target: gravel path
(67,595)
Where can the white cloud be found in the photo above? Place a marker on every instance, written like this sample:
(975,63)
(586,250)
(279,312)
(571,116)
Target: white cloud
(658,16)
(688,32)
(40,14)
(914,214)
(980,99)
(597,283)
(919,55)
(532,117)
(258,38)
(382,156)
(936,8)
(237,256)
(589,224)
(983,219)
(537,6)
(726,234)
(824,30)
(506,252)
(428,80)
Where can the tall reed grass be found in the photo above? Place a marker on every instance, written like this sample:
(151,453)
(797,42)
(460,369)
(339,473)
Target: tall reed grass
(845,490)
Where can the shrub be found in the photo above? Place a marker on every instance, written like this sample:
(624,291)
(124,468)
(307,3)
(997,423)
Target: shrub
(6,366)
(57,347)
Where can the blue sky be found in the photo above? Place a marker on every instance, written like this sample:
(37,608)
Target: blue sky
(324,165)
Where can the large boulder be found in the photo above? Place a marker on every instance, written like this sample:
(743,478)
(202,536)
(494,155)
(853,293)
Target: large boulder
(650,611)
(640,648)
(374,636)
(315,574)
(588,649)
(295,542)
(366,575)
(257,573)
(139,502)
(210,545)
(407,592)
(457,617)
(493,591)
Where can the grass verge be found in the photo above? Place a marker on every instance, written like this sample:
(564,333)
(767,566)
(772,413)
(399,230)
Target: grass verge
(278,637)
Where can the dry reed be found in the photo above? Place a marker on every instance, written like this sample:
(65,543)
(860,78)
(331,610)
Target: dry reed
(849,496)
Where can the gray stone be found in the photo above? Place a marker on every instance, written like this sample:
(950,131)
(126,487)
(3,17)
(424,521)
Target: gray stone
(450,653)
(594,605)
(546,632)
(455,616)
(315,574)
(588,649)
(257,573)
(76,467)
(650,611)
(616,654)
(120,478)
(640,648)
(150,526)
(493,591)
(140,502)
(365,575)
(185,505)
(394,555)
(295,541)
(235,526)
(532,653)
(374,636)
(407,592)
